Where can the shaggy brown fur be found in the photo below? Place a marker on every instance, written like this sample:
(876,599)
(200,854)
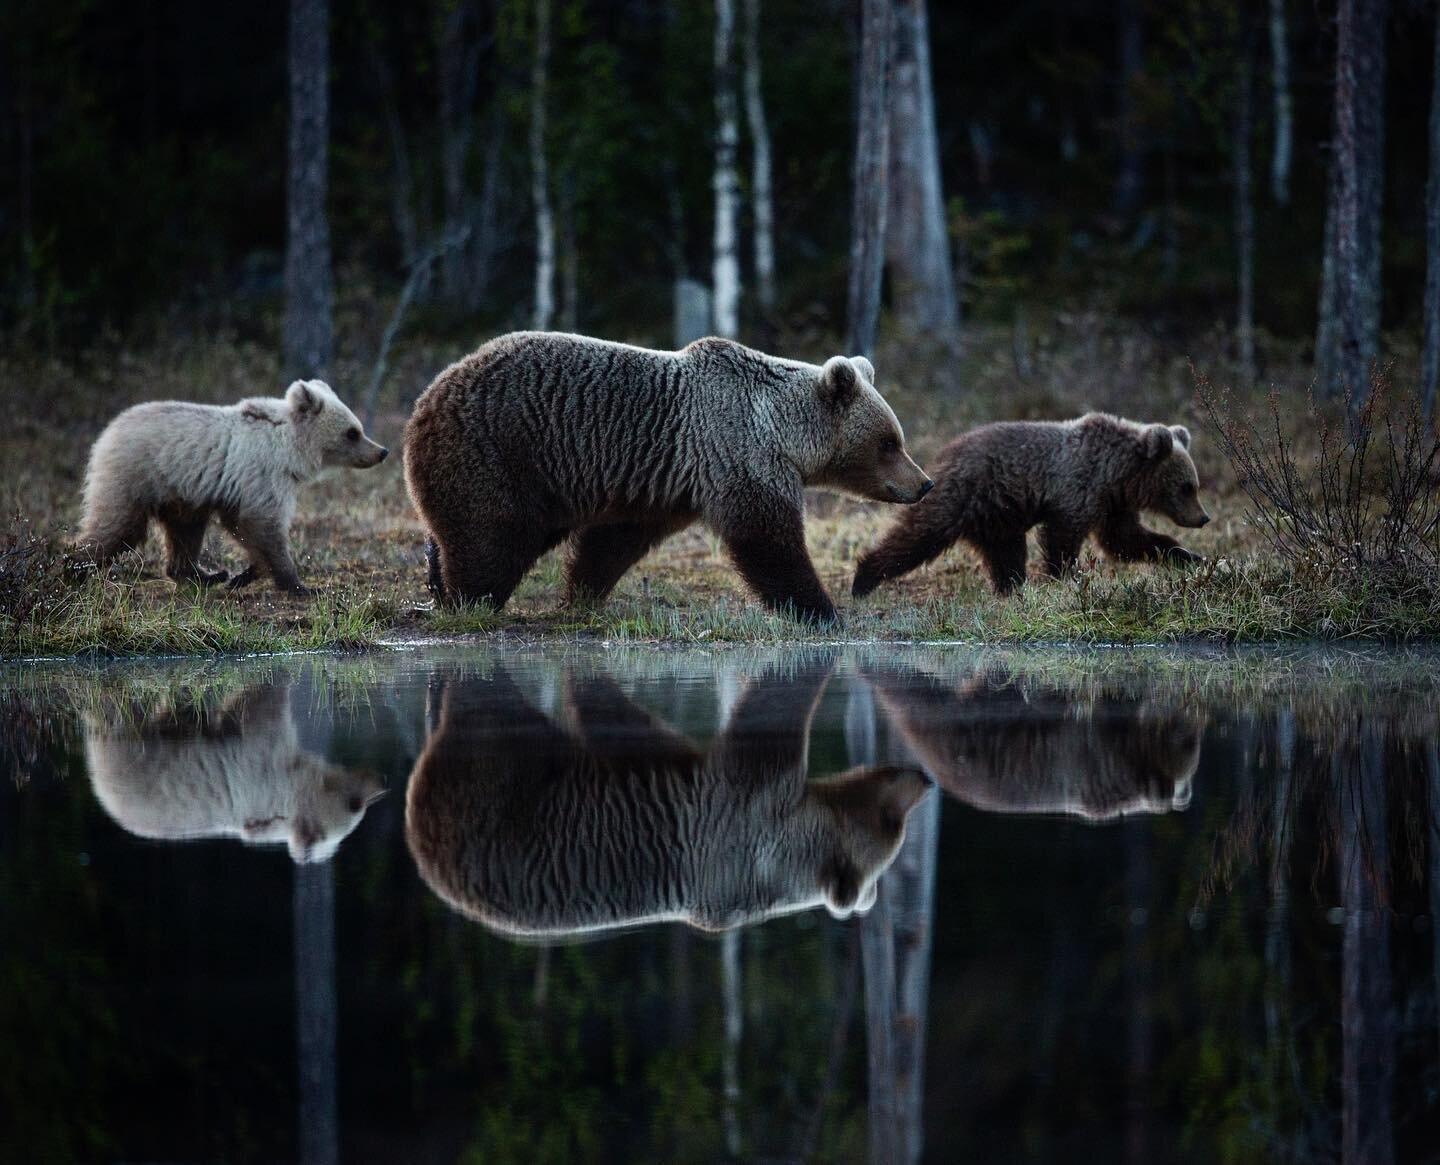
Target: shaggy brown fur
(1007,748)
(1071,478)
(533,829)
(541,437)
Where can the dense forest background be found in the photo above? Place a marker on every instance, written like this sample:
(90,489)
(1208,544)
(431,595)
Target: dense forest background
(1089,152)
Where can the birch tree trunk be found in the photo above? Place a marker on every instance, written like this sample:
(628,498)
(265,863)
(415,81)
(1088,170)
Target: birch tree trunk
(871,175)
(922,281)
(1284,104)
(539,174)
(1245,213)
(1430,351)
(1127,178)
(760,180)
(726,274)
(309,289)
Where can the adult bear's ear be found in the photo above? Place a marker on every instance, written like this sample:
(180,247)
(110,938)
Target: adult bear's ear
(1182,435)
(302,399)
(1156,442)
(838,381)
(864,367)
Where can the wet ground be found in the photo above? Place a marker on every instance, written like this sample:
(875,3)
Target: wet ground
(811,905)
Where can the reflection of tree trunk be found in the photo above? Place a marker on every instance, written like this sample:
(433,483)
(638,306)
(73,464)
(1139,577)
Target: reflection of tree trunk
(309,289)
(1140,1035)
(726,259)
(1367,1019)
(682,1015)
(1278,1036)
(917,240)
(760,176)
(539,173)
(870,176)
(732,991)
(315,1012)
(839,1037)
(1432,833)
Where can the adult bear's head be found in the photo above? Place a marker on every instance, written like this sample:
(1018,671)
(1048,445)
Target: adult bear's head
(867,455)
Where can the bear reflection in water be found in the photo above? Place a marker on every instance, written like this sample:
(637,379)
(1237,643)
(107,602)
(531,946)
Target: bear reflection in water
(233,771)
(542,829)
(1007,746)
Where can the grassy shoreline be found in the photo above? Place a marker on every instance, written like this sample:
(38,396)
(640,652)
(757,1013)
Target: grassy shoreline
(357,540)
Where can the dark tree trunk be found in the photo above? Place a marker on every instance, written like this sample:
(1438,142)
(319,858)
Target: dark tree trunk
(1245,212)
(459,60)
(402,186)
(760,179)
(1284,104)
(1358,179)
(544,309)
(1430,352)
(922,279)
(871,173)
(1127,176)
(309,289)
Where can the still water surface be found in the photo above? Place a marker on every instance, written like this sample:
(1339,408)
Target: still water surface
(803,905)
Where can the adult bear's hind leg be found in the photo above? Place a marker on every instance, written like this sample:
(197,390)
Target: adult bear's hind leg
(486,565)
(601,554)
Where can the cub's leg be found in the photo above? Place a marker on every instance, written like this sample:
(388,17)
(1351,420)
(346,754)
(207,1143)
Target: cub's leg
(917,537)
(1060,542)
(267,543)
(184,536)
(1125,539)
(768,549)
(601,554)
(487,564)
(110,530)
(1004,556)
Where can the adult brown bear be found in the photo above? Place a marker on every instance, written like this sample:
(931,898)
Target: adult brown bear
(541,436)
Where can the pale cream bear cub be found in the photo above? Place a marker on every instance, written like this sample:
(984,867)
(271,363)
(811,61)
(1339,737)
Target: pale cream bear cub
(180,463)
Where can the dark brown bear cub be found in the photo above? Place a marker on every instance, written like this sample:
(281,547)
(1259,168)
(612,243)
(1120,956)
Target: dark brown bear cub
(542,437)
(1070,478)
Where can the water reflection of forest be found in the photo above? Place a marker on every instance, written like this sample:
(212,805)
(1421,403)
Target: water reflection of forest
(1265,841)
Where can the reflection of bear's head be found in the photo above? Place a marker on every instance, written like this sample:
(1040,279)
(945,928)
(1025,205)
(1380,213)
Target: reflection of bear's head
(1011,748)
(615,819)
(236,771)
(326,431)
(869,458)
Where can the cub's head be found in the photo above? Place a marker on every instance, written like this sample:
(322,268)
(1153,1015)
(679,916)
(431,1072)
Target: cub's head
(1168,484)
(328,431)
(326,813)
(867,450)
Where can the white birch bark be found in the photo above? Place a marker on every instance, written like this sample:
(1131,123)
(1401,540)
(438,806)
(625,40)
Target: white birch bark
(871,176)
(760,178)
(544,310)
(726,272)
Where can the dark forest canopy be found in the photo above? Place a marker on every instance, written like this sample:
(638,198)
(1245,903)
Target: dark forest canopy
(144,156)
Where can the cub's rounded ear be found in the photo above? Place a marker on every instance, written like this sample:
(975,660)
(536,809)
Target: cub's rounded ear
(302,398)
(1156,441)
(865,368)
(1182,436)
(839,381)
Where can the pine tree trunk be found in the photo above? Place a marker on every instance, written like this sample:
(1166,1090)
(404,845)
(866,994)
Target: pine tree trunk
(1327,326)
(458,63)
(922,278)
(726,274)
(1127,179)
(484,230)
(309,289)
(871,175)
(1430,352)
(539,173)
(760,180)
(1359,150)
(1245,214)
(569,259)
(1284,104)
